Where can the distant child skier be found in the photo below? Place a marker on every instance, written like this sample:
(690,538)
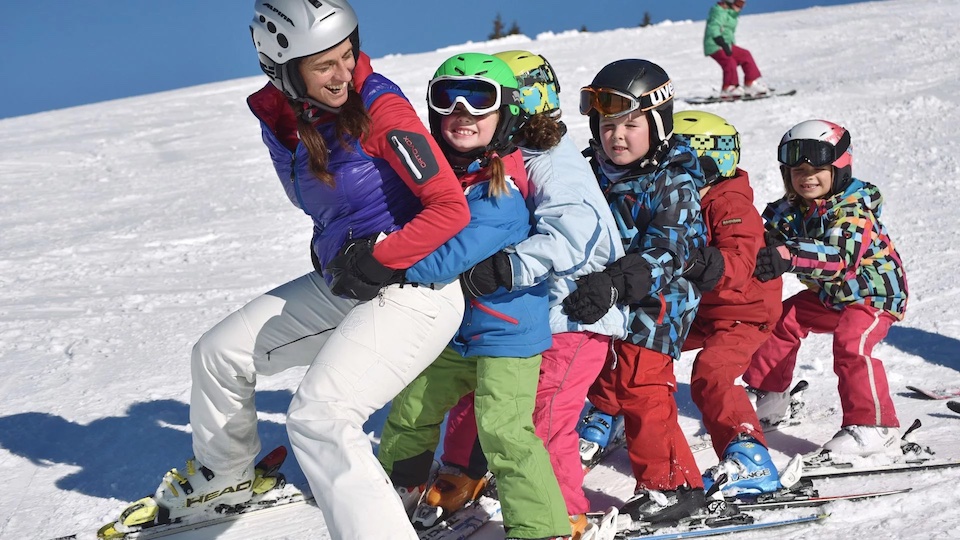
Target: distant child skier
(575,235)
(651,180)
(474,110)
(719,43)
(827,230)
(737,311)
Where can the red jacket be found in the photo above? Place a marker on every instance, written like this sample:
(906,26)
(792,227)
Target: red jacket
(735,228)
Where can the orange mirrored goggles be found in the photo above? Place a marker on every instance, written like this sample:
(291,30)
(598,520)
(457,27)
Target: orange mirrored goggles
(612,103)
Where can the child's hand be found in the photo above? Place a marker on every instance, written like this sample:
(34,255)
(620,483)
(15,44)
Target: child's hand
(488,275)
(772,262)
(706,268)
(723,45)
(595,295)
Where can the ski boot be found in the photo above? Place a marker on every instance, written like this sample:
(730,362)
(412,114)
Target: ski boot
(663,507)
(196,490)
(746,468)
(773,408)
(450,492)
(865,441)
(598,431)
(411,497)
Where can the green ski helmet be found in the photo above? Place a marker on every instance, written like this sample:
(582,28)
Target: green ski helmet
(451,85)
(711,137)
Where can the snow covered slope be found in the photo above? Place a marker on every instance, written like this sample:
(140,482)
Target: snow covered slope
(130,227)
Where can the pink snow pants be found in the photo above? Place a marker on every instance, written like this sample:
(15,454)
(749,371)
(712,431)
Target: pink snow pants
(729,63)
(567,370)
(857,328)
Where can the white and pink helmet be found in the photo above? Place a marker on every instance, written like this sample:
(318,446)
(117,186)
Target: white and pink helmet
(819,143)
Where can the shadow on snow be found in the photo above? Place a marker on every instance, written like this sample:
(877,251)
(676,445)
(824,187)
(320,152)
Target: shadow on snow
(125,457)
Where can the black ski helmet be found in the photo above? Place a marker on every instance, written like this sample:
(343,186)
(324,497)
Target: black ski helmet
(650,85)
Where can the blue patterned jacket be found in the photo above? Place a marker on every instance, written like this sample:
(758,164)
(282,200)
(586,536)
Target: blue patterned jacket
(658,215)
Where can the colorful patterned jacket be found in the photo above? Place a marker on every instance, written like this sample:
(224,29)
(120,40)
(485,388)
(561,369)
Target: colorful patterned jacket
(839,248)
(658,215)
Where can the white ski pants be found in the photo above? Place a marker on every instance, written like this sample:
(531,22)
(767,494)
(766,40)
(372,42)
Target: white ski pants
(360,355)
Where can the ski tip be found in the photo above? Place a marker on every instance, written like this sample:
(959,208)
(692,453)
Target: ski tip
(954,406)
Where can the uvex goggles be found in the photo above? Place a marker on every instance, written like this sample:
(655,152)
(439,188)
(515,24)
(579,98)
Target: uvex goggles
(815,152)
(478,95)
(612,103)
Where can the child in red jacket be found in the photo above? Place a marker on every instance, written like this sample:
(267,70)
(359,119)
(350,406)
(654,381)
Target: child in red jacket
(737,311)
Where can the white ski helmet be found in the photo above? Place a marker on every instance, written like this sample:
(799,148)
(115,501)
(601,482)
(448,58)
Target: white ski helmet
(819,143)
(284,31)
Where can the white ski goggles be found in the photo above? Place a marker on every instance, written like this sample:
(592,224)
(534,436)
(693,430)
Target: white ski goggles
(478,95)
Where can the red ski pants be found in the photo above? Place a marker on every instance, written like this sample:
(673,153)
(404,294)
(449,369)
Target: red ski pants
(728,63)
(567,370)
(857,328)
(727,348)
(639,384)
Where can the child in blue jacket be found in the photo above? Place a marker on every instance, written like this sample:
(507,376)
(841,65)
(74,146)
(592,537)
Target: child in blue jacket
(474,111)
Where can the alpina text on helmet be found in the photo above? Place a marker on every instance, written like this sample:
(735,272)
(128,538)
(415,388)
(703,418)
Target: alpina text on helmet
(280,13)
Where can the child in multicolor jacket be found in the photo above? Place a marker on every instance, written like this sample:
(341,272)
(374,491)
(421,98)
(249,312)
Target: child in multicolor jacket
(737,311)
(827,230)
(651,180)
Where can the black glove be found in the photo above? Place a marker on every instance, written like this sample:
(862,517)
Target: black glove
(358,274)
(488,275)
(706,268)
(594,297)
(770,264)
(626,280)
(773,238)
(723,45)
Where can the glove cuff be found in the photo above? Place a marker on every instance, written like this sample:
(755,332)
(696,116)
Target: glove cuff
(372,269)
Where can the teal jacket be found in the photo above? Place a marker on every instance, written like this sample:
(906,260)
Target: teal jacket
(722,21)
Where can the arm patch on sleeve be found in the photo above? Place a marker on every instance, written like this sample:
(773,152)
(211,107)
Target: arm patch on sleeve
(415,153)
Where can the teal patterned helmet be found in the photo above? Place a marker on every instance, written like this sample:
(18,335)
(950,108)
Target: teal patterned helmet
(710,136)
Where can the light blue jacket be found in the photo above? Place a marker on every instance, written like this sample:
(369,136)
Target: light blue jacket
(575,234)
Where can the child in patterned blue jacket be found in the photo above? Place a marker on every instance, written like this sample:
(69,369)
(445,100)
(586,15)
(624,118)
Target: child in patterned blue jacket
(651,180)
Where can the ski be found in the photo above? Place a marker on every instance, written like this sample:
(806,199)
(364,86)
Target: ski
(790,499)
(841,469)
(701,528)
(954,406)
(273,496)
(704,100)
(463,522)
(934,394)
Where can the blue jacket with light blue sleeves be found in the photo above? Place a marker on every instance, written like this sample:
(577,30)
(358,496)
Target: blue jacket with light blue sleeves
(575,234)
(503,323)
